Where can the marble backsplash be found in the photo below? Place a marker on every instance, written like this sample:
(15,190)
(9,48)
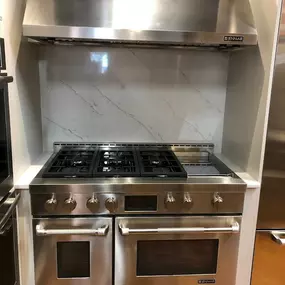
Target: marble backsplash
(132,95)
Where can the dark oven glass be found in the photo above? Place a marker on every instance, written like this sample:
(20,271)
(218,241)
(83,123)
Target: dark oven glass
(6,182)
(177,257)
(7,254)
(2,55)
(73,259)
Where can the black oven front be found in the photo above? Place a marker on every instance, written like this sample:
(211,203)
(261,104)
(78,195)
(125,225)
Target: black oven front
(8,197)
(6,171)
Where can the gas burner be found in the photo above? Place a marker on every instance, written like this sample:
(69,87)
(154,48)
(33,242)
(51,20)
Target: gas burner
(71,162)
(116,163)
(160,163)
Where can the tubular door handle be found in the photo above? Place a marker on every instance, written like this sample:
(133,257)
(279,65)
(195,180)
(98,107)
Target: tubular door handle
(5,80)
(276,236)
(7,215)
(41,231)
(234,228)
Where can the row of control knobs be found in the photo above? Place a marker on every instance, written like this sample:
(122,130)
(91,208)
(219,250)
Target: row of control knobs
(171,203)
(111,204)
(70,204)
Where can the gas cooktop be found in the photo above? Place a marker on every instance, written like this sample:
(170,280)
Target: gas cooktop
(78,162)
(84,178)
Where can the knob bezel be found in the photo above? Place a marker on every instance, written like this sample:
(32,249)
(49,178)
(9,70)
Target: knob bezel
(111,204)
(170,202)
(187,201)
(51,204)
(69,204)
(217,200)
(93,203)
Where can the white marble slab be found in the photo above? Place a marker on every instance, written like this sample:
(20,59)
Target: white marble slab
(132,95)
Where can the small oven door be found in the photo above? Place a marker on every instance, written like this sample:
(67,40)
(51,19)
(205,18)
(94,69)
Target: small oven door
(73,251)
(176,250)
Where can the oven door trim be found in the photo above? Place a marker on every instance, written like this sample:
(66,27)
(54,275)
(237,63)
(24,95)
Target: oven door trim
(7,184)
(8,223)
(49,231)
(223,228)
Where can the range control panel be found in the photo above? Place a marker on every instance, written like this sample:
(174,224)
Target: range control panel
(115,204)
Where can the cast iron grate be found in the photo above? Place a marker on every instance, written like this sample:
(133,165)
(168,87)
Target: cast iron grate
(116,162)
(71,162)
(160,163)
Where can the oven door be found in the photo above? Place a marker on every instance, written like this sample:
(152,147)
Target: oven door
(73,251)
(8,240)
(176,250)
(6,173)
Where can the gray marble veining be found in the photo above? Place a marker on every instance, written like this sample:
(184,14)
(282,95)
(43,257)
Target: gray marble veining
(95,94)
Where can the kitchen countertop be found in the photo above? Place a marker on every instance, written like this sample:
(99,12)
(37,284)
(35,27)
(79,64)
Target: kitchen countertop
(250,181)
(27,177)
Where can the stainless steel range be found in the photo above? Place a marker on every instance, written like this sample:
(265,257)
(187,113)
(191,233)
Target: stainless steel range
(142,214)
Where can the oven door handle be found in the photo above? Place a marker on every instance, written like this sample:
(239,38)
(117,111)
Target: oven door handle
(41,231)
(234,228)
(13,204)
(4,79)
(277,237)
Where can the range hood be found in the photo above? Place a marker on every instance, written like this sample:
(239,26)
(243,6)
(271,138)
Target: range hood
(141,22)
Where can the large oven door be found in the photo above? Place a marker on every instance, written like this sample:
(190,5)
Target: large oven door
(6,170)
(176,250)
(72,251)
(8,240)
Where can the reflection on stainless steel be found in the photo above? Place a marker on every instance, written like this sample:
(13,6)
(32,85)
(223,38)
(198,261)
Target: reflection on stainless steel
(69,232)
(185,242)
(183,22)
(279,237)
(271,214)
(10,205)
(41,231)
(230,229)
(131,230)
(269,253)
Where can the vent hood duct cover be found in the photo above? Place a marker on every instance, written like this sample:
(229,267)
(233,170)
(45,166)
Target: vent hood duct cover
(168,22)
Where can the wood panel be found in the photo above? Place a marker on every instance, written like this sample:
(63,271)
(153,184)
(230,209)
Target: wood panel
(269,261)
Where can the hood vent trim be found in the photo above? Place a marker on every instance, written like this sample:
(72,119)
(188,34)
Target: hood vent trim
(171,23)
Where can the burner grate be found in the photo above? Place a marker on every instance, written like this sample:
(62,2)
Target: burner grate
(72,162)
(113,162)
(160,163)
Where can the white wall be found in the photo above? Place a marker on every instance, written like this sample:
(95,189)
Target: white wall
(249,92)
(246,116)
(24,93)
(25,116)
(130,95)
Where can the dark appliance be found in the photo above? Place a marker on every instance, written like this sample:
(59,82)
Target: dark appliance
(8,197)
(138,214)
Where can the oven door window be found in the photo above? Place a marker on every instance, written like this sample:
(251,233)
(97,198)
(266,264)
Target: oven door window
(177,257)
(4,164)
(73,259)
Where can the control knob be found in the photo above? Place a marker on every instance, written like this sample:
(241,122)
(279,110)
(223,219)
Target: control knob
(111,204)
(170,202)
(51,204)
(69,204)
(217,200)
(187,201)
(93,203)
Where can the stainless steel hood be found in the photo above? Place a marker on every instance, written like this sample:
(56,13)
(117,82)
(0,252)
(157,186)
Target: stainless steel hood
(151,22)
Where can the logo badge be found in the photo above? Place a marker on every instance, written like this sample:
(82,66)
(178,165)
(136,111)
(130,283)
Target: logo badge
(206,281)
(233,38)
